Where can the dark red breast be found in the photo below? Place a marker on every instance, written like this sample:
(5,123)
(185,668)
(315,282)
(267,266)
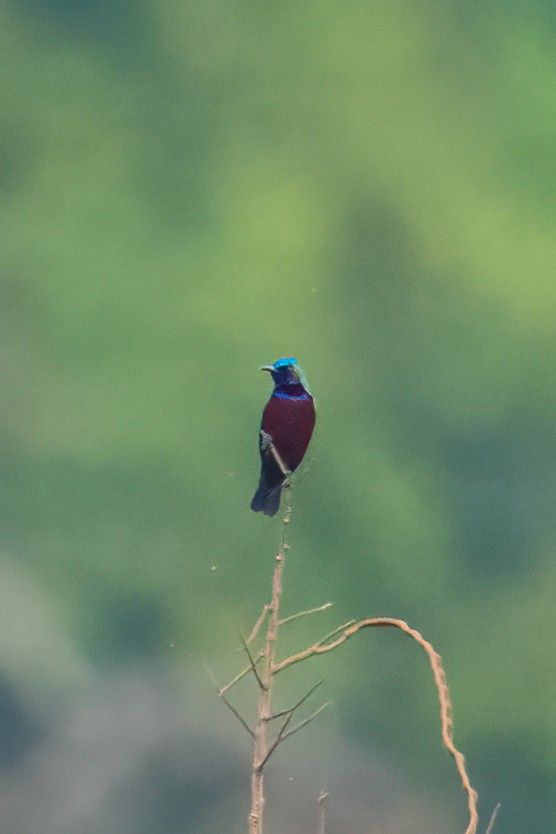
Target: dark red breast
(290,422)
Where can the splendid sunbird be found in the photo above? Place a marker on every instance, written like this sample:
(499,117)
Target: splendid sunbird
(286,428)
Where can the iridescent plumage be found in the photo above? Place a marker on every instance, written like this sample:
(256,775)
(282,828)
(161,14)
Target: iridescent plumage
(286,428)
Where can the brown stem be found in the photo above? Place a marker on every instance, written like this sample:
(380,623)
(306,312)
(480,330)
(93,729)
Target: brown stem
(261,748)
(440,679)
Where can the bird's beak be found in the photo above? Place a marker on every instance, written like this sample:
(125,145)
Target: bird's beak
(268,368)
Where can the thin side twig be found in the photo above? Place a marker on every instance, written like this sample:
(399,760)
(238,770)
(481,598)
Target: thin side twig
(493,819)
(254,669)
(283,735)
(257,627)
(279,738)
(306,721)
(442,688)
(306,613)
(323,796)
(289,713)
(239,676)
(239,717)
(222,695)
(324,640)
(297,705)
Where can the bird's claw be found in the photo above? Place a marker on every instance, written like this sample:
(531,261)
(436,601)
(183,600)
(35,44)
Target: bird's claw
(266,441)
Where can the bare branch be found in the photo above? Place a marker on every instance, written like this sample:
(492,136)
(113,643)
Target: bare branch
(258,624)
(306,613)
(261,745)
(323,643)
(306,721)
(301,701)
(439,677)
(280,737)
(239,676)
(323,796)
(254,669)
(333,633)
(241,720)
(230,706)
(493,819)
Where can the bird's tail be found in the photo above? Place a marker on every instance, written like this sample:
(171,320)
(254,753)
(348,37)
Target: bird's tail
(267,498)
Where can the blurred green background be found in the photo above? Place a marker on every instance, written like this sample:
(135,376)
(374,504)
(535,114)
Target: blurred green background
(189,190)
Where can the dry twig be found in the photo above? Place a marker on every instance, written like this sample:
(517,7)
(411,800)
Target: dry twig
(222,694)
(238,677)
(439,677)
(306,613)
(297,705)
(492,819)
(323,796)
(264,667)
(253,667)
(258,624)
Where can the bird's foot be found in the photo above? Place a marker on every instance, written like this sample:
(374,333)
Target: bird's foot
(266,441)
(267,445)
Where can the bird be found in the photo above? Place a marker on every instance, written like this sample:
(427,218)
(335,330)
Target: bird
(286,427)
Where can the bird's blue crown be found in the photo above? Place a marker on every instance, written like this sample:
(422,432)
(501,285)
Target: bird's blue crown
(283,363)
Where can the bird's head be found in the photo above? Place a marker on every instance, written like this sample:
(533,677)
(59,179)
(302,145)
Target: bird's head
(287,372)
